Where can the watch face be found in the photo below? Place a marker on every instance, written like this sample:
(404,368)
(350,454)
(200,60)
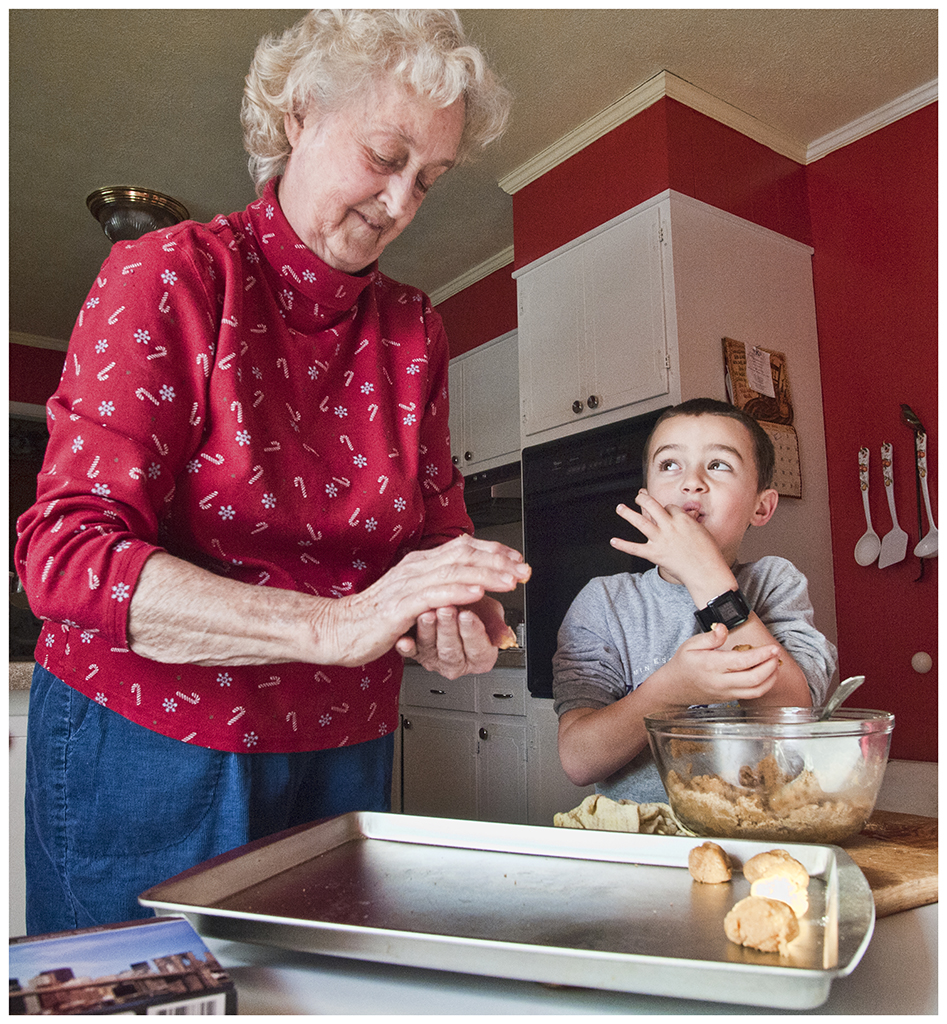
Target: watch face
(728,608)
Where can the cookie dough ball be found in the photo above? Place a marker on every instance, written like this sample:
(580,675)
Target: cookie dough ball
(776,864)
(763,924)
(709,863)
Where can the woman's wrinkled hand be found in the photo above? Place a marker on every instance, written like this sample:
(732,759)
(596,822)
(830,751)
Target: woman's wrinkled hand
(441,594)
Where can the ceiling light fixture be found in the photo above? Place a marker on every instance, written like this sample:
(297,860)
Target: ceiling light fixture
(126,212)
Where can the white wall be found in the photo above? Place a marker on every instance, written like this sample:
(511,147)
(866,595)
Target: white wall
(737,280)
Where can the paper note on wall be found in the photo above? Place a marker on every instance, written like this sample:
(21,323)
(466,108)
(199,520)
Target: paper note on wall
(759,371)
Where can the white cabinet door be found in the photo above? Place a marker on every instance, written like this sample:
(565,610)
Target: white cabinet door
(439,764)
(491,403)
(592,328)
(624,313)
(502,770)
(484,405)
(551,331)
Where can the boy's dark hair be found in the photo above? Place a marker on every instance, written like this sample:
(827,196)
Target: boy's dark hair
(763,452)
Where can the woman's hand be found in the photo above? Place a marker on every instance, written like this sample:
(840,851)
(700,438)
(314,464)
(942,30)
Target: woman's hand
(458,641)
(182,614)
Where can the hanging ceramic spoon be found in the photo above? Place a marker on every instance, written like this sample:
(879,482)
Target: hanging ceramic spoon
(869,544)
(927,546)
(894,544)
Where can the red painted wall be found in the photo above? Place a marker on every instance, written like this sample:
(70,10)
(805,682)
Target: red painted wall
(34,373)
(481,312)
(874,216)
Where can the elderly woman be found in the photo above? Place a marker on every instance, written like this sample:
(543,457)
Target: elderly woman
(248,512)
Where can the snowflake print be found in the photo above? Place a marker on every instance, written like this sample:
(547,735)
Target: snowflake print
(313,372)
(86,636)
(400,504)
(142,336)
(193,466)
(169,705)
(169,277)
(50,640)
(250,739)
(268,501)
(410,419)
(243,437)
(102,490)
(257,373)
(226,512)
(359,564)
(101,346)
(382,729)
(121,592)
(371,524)
(100,698)
(325,719)
(123,545)
(286,296)
(92,303)
(360,461)
(106,408)
(77,445)
(366,682)
(269,211)
(332,490)
(413,369)
(367,388)
(167,393)
(224,678)
(309,276)
(154,471)
(341,411)
(431,469)
(253,257)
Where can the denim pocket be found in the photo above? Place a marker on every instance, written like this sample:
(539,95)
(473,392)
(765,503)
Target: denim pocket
(130,791)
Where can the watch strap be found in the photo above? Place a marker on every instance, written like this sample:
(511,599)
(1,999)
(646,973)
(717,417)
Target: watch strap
(730,608)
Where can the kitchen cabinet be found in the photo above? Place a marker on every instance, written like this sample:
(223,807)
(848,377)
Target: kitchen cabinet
(464,745)
(592,326)
(484,405)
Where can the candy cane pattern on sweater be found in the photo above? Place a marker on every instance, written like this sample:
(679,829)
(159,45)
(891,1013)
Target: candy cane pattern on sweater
(210,417)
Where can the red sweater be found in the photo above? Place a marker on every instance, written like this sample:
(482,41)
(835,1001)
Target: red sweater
(229,398)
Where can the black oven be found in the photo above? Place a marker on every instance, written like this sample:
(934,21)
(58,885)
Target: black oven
(570,489)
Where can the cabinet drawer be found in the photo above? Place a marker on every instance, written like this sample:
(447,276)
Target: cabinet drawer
(501,693)
(428,690)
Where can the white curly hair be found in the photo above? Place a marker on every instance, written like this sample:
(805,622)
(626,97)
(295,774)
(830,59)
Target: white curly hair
(333,57)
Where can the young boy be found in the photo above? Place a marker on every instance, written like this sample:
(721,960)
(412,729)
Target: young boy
(639,643)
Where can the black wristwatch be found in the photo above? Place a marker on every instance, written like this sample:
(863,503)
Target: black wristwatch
(730,608)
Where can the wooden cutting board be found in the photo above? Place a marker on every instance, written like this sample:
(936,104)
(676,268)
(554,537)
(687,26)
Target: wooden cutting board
(897,853)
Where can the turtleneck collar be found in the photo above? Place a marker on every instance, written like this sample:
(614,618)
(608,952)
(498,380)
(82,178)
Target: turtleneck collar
(315,295)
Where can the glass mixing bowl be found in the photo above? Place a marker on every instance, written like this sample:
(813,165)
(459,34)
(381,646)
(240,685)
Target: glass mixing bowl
(775,774)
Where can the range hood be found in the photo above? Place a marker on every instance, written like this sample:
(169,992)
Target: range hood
(494,496)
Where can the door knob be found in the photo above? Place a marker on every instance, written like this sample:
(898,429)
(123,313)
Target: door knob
(577,406)
(483,734)
(593,401)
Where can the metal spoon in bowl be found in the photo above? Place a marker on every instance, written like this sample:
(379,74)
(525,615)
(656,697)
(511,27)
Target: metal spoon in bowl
(869,544)
(843,691)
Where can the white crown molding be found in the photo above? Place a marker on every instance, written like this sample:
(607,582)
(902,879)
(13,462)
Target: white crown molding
(862,126)
(35,341)
(472,276)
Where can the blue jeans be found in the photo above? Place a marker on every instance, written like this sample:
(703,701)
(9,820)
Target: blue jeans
(113,808)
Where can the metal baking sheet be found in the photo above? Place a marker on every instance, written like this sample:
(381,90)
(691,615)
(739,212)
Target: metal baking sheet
(605,910)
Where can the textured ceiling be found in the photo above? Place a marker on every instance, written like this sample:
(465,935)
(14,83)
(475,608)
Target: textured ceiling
(152,98)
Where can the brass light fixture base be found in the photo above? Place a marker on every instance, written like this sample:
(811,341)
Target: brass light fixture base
(126,212)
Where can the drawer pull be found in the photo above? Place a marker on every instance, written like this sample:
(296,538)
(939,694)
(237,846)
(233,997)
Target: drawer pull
(439,693)
(503,696)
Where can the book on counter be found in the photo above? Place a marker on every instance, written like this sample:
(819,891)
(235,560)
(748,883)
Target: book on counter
(157,966)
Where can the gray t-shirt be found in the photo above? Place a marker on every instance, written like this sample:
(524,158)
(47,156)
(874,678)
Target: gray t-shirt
(621,628)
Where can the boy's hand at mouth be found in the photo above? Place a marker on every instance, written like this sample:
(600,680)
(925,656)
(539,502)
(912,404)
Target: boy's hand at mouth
(678,543)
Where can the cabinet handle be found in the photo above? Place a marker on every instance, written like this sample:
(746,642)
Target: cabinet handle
(468,456)
(454,459)
(593,401)
(407,723)
(503,696)
(439,693)
(483,734)
(577,406)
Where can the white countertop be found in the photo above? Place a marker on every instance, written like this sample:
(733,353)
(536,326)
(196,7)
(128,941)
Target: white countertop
(897,975)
